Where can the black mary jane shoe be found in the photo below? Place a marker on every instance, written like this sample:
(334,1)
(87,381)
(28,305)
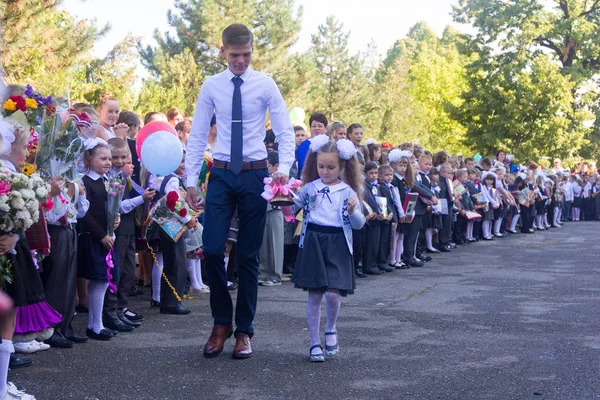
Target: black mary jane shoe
(59,341)
(154,304)
(117,325)
(445,249)
(19,362)
(104,335)
(432,251)
(386,268)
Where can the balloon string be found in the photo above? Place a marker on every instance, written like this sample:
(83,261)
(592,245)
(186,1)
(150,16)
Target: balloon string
(162,272)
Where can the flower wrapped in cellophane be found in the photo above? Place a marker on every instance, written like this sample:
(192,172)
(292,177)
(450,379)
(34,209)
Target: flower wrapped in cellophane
(59,145)
(115,187)
(20,198)
(168,212)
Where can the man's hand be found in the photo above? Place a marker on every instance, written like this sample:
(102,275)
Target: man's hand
(192,198)
(280,179)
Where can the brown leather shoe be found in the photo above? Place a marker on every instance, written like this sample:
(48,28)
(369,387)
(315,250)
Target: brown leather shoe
(214,345)
(242,347)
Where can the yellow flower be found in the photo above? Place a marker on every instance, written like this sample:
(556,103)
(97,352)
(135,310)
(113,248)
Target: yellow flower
(31,103)
(10,105)
(29,169)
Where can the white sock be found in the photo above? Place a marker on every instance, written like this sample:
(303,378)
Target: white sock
(6,348)
(498,225)
(470,225)
(313,316)
(156,277)
(399,246)
(429,238)
(96,292)
(485,227)
(332,308)
(199,273)
(191,267)
(515,220)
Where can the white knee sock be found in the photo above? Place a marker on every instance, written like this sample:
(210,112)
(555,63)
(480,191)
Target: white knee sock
(191,267)
(6,348)
(485,227)
(332,308)
(515,220)
(429,238)
(156,277)
(198,266)
(470,225)
(498,225)
(313,316)
(96,292)
(399,246)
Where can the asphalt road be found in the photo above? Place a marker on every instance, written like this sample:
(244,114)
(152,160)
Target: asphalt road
(516,318)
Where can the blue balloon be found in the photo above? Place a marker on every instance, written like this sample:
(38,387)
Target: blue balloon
(162,153)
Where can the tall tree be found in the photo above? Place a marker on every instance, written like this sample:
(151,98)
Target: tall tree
(568,31)
(341,89)
(41,44)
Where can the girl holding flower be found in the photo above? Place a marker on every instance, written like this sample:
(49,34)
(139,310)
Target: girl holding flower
(19,204)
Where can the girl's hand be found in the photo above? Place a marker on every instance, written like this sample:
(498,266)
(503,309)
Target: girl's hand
(81,189)
(148,194)
(351,205)
(409,220)
(192,224)
(434,199)
(121,130)
(55,186)
(117,222)
(389,218)
(7,242)
(108,242)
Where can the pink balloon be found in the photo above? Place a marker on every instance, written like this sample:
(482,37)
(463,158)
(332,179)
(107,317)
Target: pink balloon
(149,129)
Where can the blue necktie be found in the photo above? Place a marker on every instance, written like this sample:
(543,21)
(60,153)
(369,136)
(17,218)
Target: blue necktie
(237,140)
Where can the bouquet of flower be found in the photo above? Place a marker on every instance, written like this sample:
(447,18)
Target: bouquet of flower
(115,187)
(20,198)
(164,214)
(32,104)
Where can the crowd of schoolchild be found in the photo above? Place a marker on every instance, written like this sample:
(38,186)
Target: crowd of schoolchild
(407,203)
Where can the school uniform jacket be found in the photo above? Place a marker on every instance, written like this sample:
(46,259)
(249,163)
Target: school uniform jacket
(369,197)
(386,192)
(422,186)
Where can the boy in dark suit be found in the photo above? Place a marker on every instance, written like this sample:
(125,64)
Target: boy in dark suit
(386,175)
(373,226)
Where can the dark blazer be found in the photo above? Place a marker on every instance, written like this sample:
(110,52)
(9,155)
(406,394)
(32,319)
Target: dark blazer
(423,188)
(385,191)
(445,191)
(369,197)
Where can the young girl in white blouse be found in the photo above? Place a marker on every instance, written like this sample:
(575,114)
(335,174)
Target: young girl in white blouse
(489,190)
(331,203)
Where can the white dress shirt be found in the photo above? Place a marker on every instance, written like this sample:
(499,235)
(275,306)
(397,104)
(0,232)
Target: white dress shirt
(259,94)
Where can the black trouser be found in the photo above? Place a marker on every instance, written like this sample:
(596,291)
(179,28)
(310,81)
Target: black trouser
(410,237)
(59,275)
(358,243)
(126,245)
(385,244)
(372,236)
(460,229)
(446,231)
(174,269)
(526,219)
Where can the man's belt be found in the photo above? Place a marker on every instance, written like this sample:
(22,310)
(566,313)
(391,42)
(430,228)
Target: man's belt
(246,165)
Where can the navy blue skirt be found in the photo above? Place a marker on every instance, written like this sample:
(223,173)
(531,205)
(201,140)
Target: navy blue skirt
(325,263)
(91,260)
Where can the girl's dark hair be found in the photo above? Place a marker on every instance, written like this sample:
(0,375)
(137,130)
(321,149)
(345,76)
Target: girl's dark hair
(352,127)
(89,154)
(498,153)
(173,112)
(492,177)
(148,117)
(129,118)
(184,126)
(409,177)
(270,136)
(485,161)
(351,172)
(365,152)
(434,171)
(441,157)
(273,157)
(372,147)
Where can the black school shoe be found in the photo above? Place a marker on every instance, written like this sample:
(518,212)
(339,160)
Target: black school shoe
(104,335)
(359,273)
(116,325)
(133,316)
(127,321)
(177,310)
(59,341)
(19,362)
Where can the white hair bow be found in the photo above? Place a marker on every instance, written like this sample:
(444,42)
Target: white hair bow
(93,142)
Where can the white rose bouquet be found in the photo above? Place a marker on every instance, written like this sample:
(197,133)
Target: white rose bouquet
(20,198)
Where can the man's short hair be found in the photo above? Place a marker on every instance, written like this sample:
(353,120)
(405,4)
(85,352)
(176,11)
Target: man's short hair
(237,35)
